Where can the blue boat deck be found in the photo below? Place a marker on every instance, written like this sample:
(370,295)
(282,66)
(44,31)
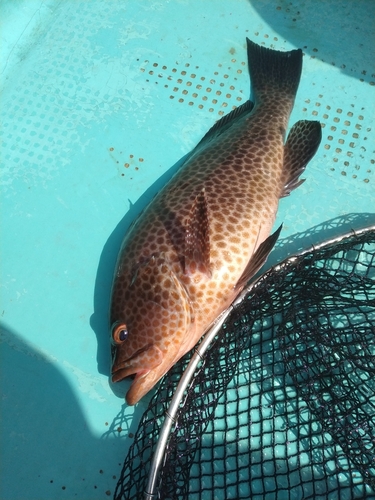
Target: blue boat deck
(100,102)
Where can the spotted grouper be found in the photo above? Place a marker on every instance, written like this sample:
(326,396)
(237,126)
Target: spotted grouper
(207,232)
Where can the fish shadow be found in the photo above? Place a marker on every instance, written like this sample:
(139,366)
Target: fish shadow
(341,36)
(99,320)
(324,231)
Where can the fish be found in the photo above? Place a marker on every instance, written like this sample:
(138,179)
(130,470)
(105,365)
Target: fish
(208,231)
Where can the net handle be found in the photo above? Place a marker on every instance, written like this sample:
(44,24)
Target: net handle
(170,414)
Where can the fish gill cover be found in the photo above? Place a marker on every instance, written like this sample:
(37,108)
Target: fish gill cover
(283,402)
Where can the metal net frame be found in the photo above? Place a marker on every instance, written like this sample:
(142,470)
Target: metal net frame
(283,401)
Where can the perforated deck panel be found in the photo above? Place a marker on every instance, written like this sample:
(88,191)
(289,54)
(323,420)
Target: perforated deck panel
(100,102)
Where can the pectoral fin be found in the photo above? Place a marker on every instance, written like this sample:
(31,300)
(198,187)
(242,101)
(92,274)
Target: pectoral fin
(197,238)
(303,141)
(258,259)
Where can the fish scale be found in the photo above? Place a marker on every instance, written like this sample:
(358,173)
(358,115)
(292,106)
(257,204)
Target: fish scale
(206,233)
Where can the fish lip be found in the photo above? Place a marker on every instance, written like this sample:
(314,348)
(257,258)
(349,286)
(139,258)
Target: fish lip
(123,373)
(137,353)
(126,369)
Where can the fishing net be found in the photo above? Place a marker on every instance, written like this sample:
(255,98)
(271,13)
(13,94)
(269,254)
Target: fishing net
(283,402)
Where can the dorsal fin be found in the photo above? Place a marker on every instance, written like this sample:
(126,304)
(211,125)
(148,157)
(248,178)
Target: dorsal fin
(303,141)
(225,122)
(258,259)
(197,238)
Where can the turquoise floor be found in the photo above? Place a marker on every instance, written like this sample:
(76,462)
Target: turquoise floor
(99,102)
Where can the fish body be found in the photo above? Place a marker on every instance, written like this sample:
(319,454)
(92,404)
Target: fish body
(206,233)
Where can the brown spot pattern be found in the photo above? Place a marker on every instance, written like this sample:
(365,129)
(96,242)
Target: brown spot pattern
(241,174)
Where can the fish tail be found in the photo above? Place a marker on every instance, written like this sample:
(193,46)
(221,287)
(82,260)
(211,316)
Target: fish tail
(273,72)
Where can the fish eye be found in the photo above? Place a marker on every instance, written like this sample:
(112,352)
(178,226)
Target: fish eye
(120,332)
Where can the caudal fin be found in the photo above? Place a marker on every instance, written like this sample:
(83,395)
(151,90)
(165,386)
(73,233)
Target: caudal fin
(272,71)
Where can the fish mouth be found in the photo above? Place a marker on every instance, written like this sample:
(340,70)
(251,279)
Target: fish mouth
(130,371)
(146,365)
(124,369)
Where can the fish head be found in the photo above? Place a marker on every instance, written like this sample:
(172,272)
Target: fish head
(151,319)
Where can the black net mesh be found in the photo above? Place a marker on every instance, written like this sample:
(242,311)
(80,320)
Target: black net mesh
(283,403)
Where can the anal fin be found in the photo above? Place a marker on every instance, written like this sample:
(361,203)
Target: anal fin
(258,258)
(197,238)
(302,143)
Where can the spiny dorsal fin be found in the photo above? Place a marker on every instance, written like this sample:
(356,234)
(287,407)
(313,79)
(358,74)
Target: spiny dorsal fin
(258,259)
(197,238)
(302,143)
(225,122)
